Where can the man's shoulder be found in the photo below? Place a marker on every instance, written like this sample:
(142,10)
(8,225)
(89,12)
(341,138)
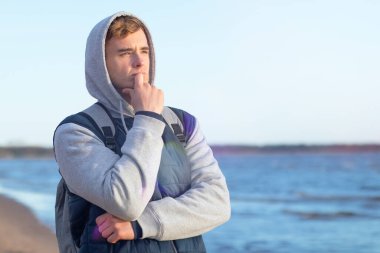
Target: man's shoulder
(187,120)
(81,119)
(179,112)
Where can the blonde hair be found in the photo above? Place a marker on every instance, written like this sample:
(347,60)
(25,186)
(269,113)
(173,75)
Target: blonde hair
(123,26)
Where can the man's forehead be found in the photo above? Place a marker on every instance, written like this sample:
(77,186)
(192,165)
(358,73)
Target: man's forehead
(131,40)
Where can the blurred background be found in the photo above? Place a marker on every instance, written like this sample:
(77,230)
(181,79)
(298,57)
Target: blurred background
(286,93)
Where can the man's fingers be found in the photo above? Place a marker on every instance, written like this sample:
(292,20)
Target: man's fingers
(107,232)
(101,218)
(113,238)
(102,227)
(143,96)
(139,80)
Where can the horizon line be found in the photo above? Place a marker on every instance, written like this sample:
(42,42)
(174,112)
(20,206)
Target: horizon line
(295,144)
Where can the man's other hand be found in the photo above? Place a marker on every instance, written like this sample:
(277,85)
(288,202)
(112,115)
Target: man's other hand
(114,229)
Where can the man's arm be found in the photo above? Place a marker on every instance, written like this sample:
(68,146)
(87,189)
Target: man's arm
(200,209)
(120,185)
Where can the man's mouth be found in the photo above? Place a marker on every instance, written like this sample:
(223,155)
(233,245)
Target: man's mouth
(134,74)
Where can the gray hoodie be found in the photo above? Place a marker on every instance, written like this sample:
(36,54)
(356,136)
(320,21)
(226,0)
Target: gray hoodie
(124,185)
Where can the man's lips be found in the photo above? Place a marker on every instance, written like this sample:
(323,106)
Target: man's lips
(134,74)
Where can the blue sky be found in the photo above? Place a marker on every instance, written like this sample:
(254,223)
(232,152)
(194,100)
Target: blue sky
(253,72)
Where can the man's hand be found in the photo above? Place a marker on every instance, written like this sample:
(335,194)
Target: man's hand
(145,97)
(114,229)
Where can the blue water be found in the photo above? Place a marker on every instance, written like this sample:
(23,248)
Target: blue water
(280,203)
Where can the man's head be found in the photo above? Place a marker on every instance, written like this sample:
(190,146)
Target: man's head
(126,52)
(107,69)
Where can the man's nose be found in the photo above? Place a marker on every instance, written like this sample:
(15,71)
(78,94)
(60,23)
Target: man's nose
(138,61)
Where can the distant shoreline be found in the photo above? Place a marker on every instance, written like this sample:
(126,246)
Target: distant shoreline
(296,149)
(33,152)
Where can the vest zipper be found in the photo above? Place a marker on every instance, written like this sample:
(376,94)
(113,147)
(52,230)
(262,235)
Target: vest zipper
(175,249)
(111,249)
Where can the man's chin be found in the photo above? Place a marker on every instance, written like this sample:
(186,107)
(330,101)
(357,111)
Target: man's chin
(126,98)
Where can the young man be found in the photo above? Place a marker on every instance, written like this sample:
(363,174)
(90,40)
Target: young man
(151,193)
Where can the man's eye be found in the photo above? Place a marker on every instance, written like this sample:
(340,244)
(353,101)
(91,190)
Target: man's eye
(145,51)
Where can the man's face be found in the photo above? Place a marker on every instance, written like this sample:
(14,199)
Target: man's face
(126,57)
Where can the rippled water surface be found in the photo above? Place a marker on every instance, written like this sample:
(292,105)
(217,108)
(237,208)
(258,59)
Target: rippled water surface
(280,202)
(301,203)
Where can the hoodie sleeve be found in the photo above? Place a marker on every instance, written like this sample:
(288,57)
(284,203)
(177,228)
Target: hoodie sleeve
(122,185)
(203,207)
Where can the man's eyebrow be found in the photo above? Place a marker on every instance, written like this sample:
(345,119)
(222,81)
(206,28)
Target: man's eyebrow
(129,50)
(122,50)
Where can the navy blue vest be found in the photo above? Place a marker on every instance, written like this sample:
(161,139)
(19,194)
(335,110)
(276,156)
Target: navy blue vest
(174,179)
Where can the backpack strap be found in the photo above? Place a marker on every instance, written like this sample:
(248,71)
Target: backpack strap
(98,119)
(175,123)
(183,119)
(101,118)
(180,122)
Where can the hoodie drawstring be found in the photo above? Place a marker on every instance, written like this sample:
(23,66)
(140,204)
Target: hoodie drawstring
(122,116)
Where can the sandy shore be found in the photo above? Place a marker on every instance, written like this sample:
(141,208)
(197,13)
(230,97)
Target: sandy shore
(21,232)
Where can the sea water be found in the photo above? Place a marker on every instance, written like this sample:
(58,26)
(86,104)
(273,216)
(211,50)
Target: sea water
(310,202)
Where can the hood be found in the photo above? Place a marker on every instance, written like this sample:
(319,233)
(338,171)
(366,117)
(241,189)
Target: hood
(98,82)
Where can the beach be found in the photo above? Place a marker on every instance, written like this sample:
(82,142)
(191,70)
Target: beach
(22,232)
